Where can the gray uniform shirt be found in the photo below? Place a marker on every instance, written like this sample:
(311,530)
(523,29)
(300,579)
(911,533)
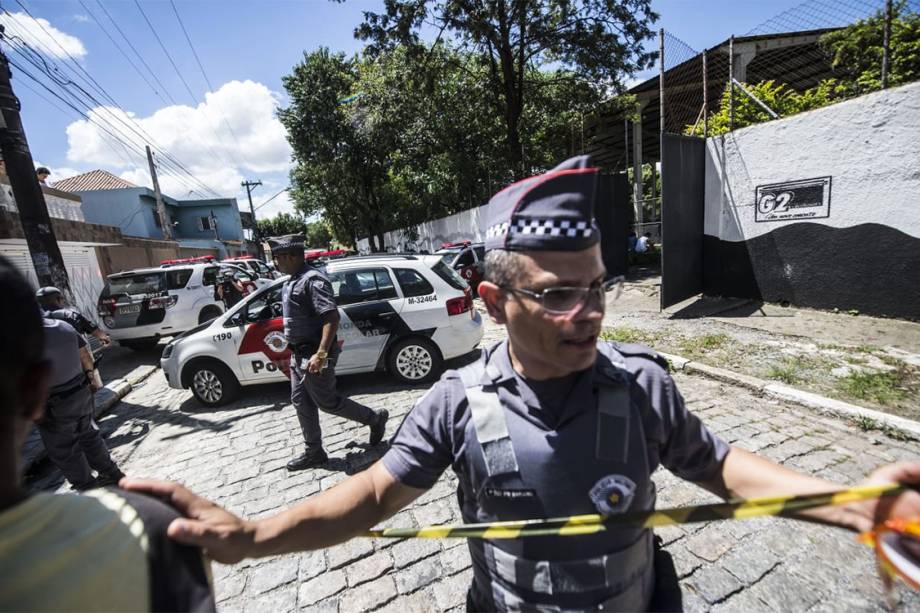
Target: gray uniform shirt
(62,350)
(431,437)
(306,297)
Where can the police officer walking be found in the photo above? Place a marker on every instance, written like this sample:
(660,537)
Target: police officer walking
(51,299)
(550,422)
(68,430)
(311,319)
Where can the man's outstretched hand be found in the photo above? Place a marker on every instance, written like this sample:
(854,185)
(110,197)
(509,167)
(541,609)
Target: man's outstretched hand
(864,516)
(222,536)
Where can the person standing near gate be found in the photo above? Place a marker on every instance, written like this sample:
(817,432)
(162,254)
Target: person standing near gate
(311,319)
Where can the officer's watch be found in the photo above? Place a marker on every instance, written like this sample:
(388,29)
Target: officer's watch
(322,354)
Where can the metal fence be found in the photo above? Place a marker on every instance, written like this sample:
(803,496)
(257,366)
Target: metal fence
(815,54)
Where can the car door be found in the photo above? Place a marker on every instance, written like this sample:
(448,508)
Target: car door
(263,352)
(369,308)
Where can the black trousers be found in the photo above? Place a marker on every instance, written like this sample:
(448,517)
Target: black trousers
(72,438)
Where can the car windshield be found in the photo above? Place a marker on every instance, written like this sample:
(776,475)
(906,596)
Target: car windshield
(136,284)
(449,275)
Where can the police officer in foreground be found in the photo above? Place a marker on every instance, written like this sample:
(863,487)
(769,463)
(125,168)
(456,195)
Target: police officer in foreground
(311,319)
(68,430)
(549,422)
(51,300)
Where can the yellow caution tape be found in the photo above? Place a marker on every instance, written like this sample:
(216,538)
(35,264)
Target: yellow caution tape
(592,524)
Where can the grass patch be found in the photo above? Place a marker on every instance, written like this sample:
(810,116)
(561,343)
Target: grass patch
(701,345)
(866,349)
(867,424)
(786,371)
(884,388)
(625,334)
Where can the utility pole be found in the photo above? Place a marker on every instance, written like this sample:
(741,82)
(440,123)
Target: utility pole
(886,45)
(161,208)
(33,212)
(249,185)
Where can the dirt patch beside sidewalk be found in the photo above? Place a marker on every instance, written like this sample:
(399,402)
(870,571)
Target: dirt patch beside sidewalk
(867,361)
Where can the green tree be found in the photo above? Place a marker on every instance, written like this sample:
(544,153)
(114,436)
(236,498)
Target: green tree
(856,52)
(599,41)
(339,152)
(282,223)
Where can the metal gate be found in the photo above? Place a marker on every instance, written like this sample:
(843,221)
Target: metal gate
(614,215)
(682,205)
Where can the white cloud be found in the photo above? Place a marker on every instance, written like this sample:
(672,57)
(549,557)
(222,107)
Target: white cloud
(40,34)
(80,18)
(232,135)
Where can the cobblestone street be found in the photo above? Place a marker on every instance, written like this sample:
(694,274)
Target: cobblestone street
(236,456)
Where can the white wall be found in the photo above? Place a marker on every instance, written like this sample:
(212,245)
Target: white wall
(86,280)
(869,146)
(466,225)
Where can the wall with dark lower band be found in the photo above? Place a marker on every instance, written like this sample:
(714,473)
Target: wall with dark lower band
(821,209)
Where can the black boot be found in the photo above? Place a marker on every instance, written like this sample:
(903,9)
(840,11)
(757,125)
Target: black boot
(110,478)
(311,458)
(378,429)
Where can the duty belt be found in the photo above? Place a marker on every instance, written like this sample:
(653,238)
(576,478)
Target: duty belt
(70,391)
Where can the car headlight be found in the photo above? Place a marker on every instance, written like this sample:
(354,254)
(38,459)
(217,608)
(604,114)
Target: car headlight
(167,351)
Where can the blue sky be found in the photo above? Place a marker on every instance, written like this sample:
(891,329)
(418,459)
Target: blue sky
(229,134)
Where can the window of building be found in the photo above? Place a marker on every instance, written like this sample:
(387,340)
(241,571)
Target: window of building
(205,223)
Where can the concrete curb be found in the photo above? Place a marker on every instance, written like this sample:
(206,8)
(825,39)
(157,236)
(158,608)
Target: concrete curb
(823,404)
(104,399)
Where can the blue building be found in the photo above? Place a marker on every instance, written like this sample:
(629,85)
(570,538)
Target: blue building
(112,201)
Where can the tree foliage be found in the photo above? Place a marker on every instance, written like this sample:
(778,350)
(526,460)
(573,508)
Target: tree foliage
(598,41)
(855,57)
(317,233)
(381,142)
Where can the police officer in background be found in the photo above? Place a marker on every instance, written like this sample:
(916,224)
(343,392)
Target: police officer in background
(549,422)
(311,319)
(68,430)
(51,300)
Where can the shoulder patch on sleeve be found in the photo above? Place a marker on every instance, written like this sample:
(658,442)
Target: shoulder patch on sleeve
(641,351)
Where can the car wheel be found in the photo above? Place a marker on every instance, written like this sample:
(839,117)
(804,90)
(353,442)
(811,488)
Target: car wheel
(208,313)
(145,344)
(415,360)
(212,383)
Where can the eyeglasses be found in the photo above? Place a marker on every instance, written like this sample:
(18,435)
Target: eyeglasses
(563,300)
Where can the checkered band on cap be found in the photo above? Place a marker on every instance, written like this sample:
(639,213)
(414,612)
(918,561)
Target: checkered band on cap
(553,227)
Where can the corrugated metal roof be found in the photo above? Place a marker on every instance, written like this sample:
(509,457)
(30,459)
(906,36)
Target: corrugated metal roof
(91,181)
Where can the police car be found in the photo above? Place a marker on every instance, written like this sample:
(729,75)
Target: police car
(401,313)
(467,258)
(254,265)
(138,307)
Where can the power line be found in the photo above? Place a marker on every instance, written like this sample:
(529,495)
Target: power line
(178,73)
(165,51)
(136,52)
(42,65)
(272,198)
(205,75)
(123,53)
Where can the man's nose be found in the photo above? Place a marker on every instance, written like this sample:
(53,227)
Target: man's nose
(591,308)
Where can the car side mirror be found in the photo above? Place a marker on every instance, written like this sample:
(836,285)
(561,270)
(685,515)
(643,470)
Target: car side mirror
(235,320)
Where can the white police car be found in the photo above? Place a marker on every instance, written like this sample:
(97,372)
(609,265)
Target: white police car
(137,307)
(403,313)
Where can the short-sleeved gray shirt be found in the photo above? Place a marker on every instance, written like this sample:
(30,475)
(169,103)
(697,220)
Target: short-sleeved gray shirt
(306,297)
(431,437)
(62,350)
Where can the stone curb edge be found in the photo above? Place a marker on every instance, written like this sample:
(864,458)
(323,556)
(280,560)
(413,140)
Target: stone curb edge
(823,404)
(104,399)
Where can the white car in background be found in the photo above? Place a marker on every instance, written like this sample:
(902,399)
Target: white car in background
(401,313)
(138,307)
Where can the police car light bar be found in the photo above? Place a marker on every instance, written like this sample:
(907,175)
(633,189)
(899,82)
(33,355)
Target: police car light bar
(196,260)
(458,244)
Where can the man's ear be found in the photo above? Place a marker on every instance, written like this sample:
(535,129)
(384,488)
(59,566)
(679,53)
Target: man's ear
(33,391)
(494,299)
